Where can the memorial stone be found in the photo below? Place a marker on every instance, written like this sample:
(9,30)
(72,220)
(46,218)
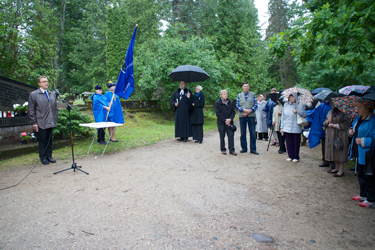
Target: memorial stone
(13,92)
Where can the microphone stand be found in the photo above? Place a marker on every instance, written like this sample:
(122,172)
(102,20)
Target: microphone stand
(68,107)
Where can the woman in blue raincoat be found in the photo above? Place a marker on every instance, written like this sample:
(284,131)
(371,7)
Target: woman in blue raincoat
(100,108)
(115,115)
(317,133)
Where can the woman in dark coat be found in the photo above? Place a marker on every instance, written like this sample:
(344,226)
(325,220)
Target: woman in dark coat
(196,104)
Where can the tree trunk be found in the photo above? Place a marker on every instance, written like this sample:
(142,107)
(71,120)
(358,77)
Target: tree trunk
(58,50)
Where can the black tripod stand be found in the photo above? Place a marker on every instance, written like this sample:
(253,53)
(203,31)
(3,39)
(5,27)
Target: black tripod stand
(74,165)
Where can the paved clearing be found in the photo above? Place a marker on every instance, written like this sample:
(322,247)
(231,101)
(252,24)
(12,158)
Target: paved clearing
(175,195)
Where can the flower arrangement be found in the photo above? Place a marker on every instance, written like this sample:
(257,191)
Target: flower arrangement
(33,137)
(24,136)
(25,106)
(19,109)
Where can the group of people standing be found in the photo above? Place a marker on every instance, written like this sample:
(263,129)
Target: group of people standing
(189,117)
(188,109)
(330,127)
(339,135)
(253,112)
(107,107)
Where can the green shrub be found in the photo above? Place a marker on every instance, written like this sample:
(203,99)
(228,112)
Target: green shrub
(79,101)
(62,131)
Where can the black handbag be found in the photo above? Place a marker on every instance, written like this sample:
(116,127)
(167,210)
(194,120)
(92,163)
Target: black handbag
(337,142)
(370,159)
(232,127)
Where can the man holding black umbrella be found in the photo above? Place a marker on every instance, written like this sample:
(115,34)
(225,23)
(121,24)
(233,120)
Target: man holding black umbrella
(180,106)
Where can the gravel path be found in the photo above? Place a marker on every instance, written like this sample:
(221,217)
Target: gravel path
(175,195)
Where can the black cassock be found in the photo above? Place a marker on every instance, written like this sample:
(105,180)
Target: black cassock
(181,113)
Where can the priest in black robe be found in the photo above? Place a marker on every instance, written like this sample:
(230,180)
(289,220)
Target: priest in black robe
(180,106)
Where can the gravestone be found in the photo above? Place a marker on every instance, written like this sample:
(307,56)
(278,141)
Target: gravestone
(13,92)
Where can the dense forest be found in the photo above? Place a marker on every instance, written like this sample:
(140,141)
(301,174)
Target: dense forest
(81,43)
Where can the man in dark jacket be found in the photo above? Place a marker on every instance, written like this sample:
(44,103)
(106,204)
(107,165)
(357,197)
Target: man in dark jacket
(225,112)
(271,103)
(180,106)
(43,115)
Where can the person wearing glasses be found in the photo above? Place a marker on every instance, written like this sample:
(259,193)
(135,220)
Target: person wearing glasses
(43,115)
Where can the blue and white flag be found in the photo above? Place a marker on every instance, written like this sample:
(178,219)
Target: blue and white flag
(125,81)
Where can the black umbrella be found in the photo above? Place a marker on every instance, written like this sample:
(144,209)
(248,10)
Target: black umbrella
(355,93)
(320,90)
(188,73)
(333,95)
(371,89)
(370,96)
(322,95)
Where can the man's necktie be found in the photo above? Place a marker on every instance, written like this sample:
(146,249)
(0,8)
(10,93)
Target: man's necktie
(45,92)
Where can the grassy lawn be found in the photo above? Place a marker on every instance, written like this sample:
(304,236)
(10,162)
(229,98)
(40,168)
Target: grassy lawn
(140,129)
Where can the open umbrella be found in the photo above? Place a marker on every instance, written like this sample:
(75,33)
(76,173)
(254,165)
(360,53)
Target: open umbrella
(333,95)
(348,104)
(304,95)
(320,90)
(322,95)
(369,95)
(357,88)
(188,73)
(371,89)
(356,93)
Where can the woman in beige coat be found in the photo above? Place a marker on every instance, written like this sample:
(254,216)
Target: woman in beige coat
(276,120)
(337,124)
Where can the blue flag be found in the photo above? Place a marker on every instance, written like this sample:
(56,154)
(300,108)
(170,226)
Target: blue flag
(125,81)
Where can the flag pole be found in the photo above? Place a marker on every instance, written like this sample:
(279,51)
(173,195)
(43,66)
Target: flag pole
(110,106)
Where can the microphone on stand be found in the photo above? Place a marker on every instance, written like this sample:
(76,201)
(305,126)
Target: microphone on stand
(56,91)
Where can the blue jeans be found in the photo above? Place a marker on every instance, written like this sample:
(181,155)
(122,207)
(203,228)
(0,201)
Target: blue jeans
(251,123)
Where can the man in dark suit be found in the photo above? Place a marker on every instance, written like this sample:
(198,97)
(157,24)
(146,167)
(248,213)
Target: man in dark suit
(180,106)
(225,112)
(43,115)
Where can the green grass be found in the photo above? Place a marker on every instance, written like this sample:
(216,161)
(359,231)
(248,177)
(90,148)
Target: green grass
(139,130)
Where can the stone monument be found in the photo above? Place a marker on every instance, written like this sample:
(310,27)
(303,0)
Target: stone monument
(13,92)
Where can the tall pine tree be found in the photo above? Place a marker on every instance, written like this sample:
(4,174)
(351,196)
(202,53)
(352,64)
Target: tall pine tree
(122,18)
(239,37)
(285,70)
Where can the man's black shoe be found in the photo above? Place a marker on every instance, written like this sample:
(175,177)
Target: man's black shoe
(185,139)
(323,165)
(281,151)
(196,141)
(233,153)
(254,152)
(102,142)
(243,151)
(200,142)
(45,162)
(180,139)
(51,160)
